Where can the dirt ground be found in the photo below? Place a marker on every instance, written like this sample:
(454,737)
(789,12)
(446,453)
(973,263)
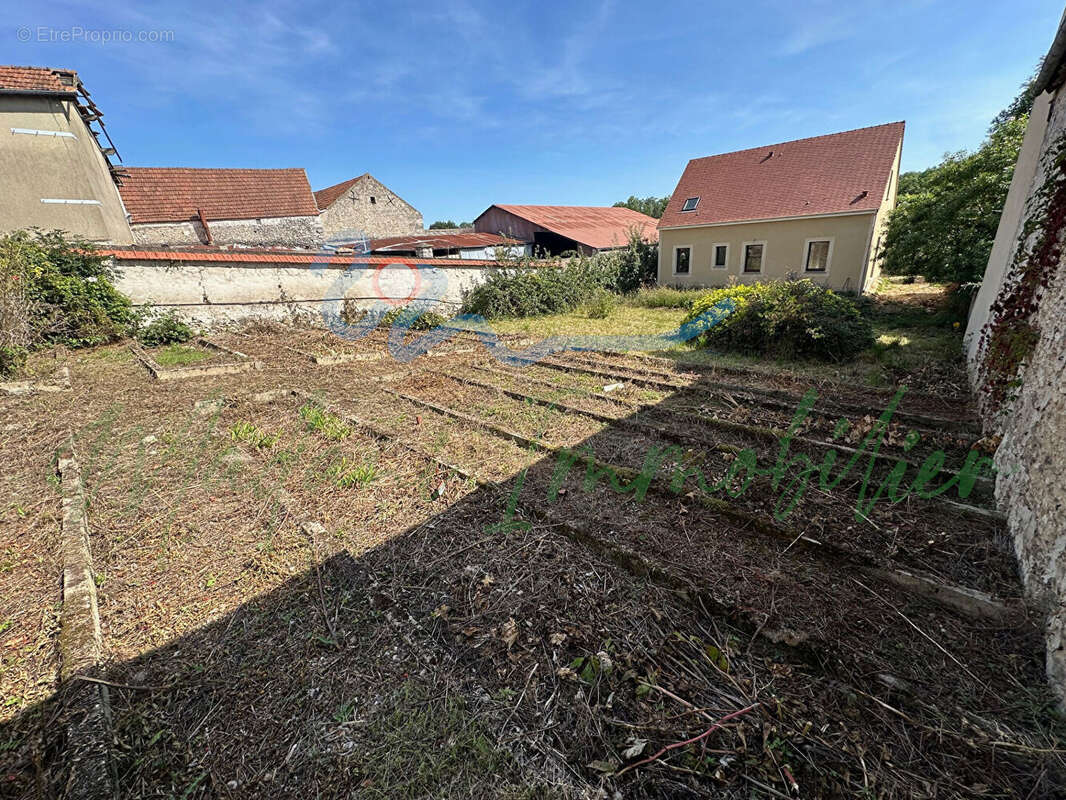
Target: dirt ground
(362,577)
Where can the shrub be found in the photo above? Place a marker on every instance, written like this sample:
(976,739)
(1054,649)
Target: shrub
(527,289)
(12,360)
(795,319)
(424,320)
(57,291)
(166,329)
(550,289)
(602,304)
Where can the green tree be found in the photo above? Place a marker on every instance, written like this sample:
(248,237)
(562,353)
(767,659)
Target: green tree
(442,224)
(652,206)
(946,216)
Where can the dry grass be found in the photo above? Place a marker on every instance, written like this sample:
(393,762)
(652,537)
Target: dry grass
(295,605)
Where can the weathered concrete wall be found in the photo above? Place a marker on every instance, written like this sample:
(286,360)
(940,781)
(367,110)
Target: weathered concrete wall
(1010,221)
(1031,459)
(210,293)
(305,232)
(39,166)
(371,208)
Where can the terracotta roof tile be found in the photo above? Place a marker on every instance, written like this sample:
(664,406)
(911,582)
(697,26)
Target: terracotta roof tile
(297,258)
(173,194)
(38,79)
(328,196)
(831,174)
(597,227)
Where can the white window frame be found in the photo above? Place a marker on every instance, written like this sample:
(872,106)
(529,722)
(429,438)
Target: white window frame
(694,207)
(714,250)
(673,260)
(828,257)
(744,257)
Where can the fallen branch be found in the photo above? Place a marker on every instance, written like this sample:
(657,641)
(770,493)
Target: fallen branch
(693,740)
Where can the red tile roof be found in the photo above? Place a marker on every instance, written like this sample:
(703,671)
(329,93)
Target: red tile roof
(440,241)
(597,227)
(174,194)
(38,80)
(286,257)
(831,174)
(328,196)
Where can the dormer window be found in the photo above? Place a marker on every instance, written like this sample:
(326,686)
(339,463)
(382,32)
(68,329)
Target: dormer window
(690,204)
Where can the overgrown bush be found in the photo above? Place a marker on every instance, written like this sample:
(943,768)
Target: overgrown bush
(527,289)
(165,329)
(424,321)
(786,319)
(601,305)
(12,360)
(57,291)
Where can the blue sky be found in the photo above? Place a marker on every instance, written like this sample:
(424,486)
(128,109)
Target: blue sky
(457,104)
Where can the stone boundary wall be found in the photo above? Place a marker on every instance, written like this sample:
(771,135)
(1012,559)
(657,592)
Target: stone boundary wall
(265,232)
(211,293)
(1031,457)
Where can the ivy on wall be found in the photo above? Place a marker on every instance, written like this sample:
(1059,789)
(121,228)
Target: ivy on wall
(1010,337)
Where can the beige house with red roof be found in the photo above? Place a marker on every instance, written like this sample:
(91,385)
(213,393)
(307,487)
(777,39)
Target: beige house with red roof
(558,229)
(365,206)
(243,207)
(57,173)
(811,208)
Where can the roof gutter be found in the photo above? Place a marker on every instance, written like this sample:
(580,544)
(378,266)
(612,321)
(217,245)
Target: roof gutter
(1051,75)
(767,219)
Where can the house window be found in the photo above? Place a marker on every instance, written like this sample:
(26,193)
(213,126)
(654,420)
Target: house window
(721,256)
(373,200)
(682,260)
(753,255)
(816,258)
(690,204)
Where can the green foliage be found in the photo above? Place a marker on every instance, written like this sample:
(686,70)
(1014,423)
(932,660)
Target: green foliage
(601,305)
(70,294)
(786,319)
(176,355)
(663,297)
(12,360)
(423,319)
(253,435)
(347,473)
(652,206)
(527,290)
(446,224)
(946,216)
(321,421)
(165,329)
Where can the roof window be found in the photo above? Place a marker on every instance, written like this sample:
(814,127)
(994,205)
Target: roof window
(690,204)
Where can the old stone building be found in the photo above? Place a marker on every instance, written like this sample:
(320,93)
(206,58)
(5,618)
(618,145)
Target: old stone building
(244,207)
(364,205)
(56,174)
(1017,355)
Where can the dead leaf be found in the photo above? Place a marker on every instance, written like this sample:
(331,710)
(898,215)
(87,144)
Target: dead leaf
(635,748)
(557,638)
(509,632)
